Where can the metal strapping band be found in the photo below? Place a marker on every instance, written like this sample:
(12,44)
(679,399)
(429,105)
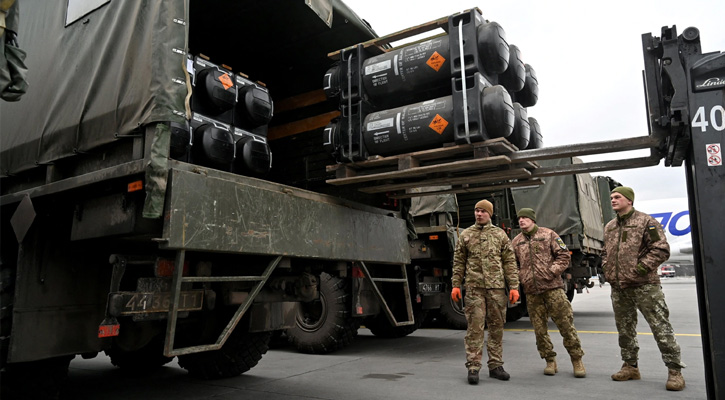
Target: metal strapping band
(463,80)
(349,106)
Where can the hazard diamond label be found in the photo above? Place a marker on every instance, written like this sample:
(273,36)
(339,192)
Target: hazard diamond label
(226,81)
(438,124)
(436,61)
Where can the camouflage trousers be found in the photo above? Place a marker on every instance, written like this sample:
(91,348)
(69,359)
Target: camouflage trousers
(553,303)
(650,301)
(484,306)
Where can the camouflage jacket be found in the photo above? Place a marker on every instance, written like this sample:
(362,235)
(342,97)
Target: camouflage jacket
(485,257)
(542,258)
(634,239)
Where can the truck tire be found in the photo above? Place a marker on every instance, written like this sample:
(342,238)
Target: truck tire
(452,313)
(325,325)
(381,327)
(240,353)
(143,360)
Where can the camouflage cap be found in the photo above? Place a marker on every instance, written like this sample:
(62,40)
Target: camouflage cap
(486,206)
(528,213)
(625,191)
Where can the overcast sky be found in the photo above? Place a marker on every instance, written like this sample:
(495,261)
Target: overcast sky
(588,59)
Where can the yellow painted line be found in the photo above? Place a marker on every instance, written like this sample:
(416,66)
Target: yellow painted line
(604,332)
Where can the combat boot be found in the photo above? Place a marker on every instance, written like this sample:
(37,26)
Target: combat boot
(626,373)
(551,368)
(473,376)
(579,370)
(499,374)
(675,380)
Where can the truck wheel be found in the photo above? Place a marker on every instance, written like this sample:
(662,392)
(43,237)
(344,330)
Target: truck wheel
(325,325)
(240,353)
(452,313)
(381,327)
(143,360)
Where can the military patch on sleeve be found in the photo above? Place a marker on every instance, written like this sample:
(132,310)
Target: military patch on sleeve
(560,243)
(653,235)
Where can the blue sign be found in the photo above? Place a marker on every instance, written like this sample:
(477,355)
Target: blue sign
(669,222)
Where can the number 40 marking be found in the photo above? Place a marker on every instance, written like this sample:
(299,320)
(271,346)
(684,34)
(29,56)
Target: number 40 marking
(700,119)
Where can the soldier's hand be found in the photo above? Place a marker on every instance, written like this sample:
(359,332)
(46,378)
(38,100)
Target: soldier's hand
(456,294)
(513,296)
(641,270)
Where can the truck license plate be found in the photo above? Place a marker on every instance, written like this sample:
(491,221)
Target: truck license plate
(152,302)
(430,287)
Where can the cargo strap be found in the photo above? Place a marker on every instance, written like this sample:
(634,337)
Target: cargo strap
(169,350)
(463,80)
(378,293)
(349,106)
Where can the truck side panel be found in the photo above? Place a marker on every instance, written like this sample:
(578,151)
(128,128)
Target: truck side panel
(241,214)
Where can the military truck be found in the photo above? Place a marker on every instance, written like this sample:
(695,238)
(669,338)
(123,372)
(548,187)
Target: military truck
(142,214)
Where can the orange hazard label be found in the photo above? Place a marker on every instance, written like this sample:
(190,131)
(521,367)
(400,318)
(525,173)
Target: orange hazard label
(226,81)
(436,61)
(438,124)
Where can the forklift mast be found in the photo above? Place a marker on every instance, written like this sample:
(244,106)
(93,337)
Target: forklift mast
(685,90)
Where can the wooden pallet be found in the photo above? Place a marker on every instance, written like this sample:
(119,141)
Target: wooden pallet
(477,167)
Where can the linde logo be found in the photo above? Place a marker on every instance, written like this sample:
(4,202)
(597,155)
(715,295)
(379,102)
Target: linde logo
(711,83)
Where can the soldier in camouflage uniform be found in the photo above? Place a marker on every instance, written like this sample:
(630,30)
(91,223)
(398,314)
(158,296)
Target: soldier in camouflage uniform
(543,257)
(635,245)
(483,255)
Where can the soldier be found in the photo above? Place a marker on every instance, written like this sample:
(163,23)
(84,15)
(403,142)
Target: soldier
(484,255)
(542,257)
(635,245)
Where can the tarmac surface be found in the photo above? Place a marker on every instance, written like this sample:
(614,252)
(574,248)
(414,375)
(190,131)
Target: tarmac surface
(429,364)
